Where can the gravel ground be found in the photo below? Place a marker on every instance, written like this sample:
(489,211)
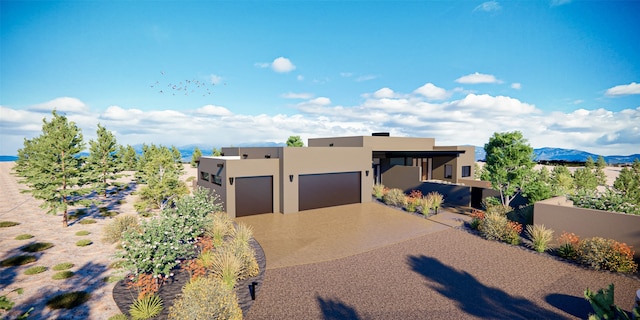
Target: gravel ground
(450,274)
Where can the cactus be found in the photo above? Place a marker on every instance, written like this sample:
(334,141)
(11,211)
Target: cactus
(602,303)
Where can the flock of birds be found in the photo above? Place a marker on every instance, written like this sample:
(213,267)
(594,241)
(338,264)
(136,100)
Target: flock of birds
(193,87)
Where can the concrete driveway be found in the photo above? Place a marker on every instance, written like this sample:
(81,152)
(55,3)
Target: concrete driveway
(331,233)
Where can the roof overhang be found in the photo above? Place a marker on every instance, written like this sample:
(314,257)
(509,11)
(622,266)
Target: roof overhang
(416,154)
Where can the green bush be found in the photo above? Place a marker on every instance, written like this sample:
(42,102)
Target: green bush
(63,266)
(395,197)
(540,237)
(599,253)
(120,316)
(219,227)
(118,264)
(87,221)
(493,205)
(206,298)
(24,236)
(18,260)
(104,212)
(436,200)
(35,270)
(83,233)
(378,190)
(112,232)
(496,226)
(84,242)
(62,275)
(147,307)
(227,266)
(112,279)
(68,300)
(5,303)
(37,247)
(6,224)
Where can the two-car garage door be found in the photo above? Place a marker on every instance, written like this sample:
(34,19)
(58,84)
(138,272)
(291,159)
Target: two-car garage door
(329,189)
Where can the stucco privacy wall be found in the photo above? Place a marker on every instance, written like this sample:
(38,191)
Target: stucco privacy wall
(322,160)
(377,143)
(559,215)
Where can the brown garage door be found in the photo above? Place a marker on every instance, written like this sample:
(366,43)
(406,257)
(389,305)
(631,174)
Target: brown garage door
(254,195)
(327,190)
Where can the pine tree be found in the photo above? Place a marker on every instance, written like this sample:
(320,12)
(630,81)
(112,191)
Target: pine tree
(562,183)
(103,162)
(158,169)
(51,167)
(129,157)
(215,152)
(295,141)
(195,156)
(600,165)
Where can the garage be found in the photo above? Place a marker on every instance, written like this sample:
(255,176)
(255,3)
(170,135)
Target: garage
(254,195)
(327,190)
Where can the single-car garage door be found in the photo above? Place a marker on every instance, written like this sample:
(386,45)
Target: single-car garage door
(327,190)
(254,195)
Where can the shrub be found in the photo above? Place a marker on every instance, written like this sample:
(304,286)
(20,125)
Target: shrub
(477,217)
(6,224)
(512,233)
(84,243)
(493,205)
(496,226)
(219,227)
(68,300)
(227,266)
(146,307)
(242,234)
(568,247)
(191,214)
(5,303)
(395,197)
(35,270)
(120,316)
(62,275)
(63,266)
(87,221)
(24,236)
(206,298)
(247,258)
(37,247)
(378,190)
(112,279)
(599,253)
(436,200)
(540,237)
(112,231)
(17,260)
(119,264)
(83,233)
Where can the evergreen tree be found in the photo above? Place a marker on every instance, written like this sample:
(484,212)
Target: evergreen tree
(585,179)
(628,183)
(601,164)
(538,187)
(195,156)
(51,167)
(508,164)
(103,162)
(129,157)
(295,141)
(562,183)
(158,169)
(215,152)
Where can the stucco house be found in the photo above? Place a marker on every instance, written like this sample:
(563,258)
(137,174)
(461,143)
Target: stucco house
(329,172)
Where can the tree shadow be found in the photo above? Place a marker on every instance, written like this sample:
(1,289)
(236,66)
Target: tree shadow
(113,202)
(9,274)
(334,309)
(88,278)
(576,306)
(472,296)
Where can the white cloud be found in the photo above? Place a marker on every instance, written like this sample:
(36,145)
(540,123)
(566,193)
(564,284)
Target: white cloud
(212,110)
(624,89)
(62,104)
(475,78)
(432,92)
(384,93)
(489,6)
(215,79)
(261,65)
(516,85)
(282,65)
(300,95)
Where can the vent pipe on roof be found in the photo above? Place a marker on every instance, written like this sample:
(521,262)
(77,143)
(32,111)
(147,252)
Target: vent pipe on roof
(380,134)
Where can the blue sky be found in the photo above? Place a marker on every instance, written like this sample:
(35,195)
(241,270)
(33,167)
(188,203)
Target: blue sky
(565,73)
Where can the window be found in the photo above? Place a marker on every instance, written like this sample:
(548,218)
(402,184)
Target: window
(204,176)
(466,171)
(216,180)
(448,171)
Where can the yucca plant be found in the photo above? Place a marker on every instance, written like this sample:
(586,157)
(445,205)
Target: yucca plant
(540,237)
(147,307)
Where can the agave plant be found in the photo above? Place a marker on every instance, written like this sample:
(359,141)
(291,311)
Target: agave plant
(147,307)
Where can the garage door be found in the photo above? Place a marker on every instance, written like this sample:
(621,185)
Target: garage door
(327,190)
(254,195)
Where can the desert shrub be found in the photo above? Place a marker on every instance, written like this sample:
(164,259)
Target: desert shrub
(62,275)
(18,260)
(496,226)
(191,214)
(206,298)
(512,233)
(608,254)
(120,316)
(568,246)
(24,236)
(477,217)
(118,264)
(6,224)
(83,233)
(610,200)
(5,303)
(436,200)
(112,231)
(37,247)
(395,197)
(146,307)
(378,190)
(68,300)
(84,242)
(87,221)
(63,266)
(112,279)
(247,256)
(226,266)
(35,270)
(219,227)
(540,237)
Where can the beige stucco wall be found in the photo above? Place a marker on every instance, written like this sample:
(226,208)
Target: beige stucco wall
(210,165)
(559,215)
(318,160)
(377,143)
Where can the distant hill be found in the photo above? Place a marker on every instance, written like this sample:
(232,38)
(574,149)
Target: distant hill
(569,155)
